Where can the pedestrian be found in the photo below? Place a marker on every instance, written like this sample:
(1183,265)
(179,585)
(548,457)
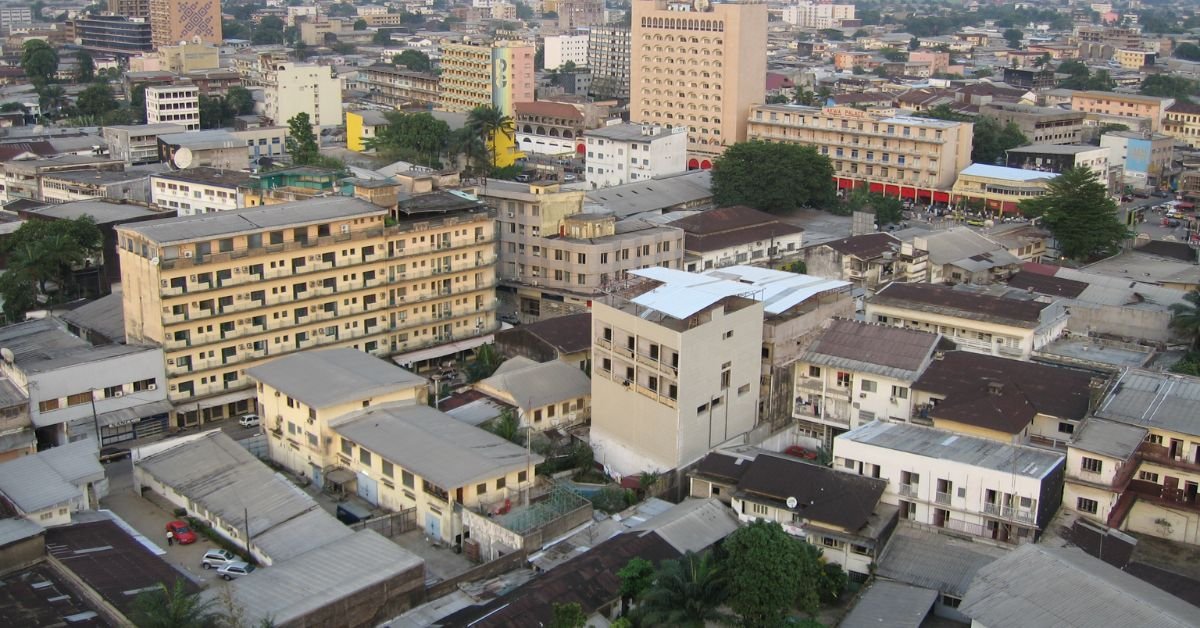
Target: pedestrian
(170,538)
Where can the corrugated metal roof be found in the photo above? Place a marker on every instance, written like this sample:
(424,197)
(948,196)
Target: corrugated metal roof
(779,290)
(890,605)
(50,477)
(693,525)
(1108,438)
(536,384)
(684,294)
(934,561)
(1154,400)
(17,529)
(320,379)
(1005,173)
(250,219)
(872,348)
(960,448)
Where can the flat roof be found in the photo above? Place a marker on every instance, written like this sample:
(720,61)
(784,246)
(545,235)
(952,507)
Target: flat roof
(1055,149)
(1154,400)
(329,377)
(266,217)
(948,301)
(208,176)
(1109,438)
(629,132)
(890,605)
(945,445)
(148,129)
(43,345)
(682,294)
(1005,173)
(100,210)
(202,140)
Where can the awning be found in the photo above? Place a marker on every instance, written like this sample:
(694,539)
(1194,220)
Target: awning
(877,188)
(340,476)
(17,440)
(209,402)
(125,416)
(892,190)
(845,183)
(420,355)
(908,193)
(941,197)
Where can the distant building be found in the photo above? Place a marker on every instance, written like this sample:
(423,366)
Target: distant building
(48,486)
(499,75)
(1060,157)
(559,49)
(293,88)
(137,143)
(868,261)
(175,21)
(736,235)
(1030,78)
(608,59)
(362,126)
(188,57)
(621,153)
(1104,107)
(1145,157)
(818,16)
(999,189)
(112,34)
(399,88)
(199,190)
(1182,122)
(176,104)
(575,14)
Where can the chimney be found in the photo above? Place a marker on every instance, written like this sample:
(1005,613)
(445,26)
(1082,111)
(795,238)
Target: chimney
(995,388)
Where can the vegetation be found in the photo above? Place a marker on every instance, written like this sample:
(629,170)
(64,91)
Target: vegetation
(887,209)
(87,68)
(39,61)
(1167,86)
(1185,318)
(1080,214)
(687,592)
(415,137)
(1080,77)
(768,574)
(41,255)
(487,122)
(636,577)
(773,177)
(1013,37)
(172,608)
(568,616)
(1187,51)
(508,427)
(414,60)
(990,140)
(96,100)
(301,141)
(360,24)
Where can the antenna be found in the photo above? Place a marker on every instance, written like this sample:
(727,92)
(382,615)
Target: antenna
(792,502)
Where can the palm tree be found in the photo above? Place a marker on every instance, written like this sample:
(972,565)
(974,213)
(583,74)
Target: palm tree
(686,592)
(487,122)
(466,143)
(1186,318)
(172,608)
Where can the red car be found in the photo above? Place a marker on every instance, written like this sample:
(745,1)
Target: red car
(183,534)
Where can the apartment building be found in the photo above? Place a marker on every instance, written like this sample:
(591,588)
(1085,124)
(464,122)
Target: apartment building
(137,143)
(736,235)
(842,381)
(959,255)
(1000,189)
(188,57)
(1182,122)
(817,16)
(698,65)
(608,55)
(474,75)
(544,395)
(577,14)
(112,34)
(23,177)
(200,190)
(870,261)
(81,185)
(291,88)
(621,153)
(975,322)
(915,158)
(1145,158)
(559,49)
(968,485)
(175,21)
(1134,59)
(1103,106)
(676,366)
(225,291)
(175,104)
(15,16)
(130,8)
(1060,157)
(549,128)
(398,88)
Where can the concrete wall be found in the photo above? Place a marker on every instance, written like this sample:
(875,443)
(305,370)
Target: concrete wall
(369,606)
(1175,524)
(1123,322)
(24,552)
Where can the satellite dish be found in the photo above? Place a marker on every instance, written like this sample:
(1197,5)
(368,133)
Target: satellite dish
(791,502)
(183,158)
(154,261)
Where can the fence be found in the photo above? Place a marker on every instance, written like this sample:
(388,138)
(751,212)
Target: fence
(501,565)
(390,525)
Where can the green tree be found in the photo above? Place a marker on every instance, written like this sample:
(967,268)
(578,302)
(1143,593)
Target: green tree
(485,363)
(767,573)
(991,140)
(887,209)
(832,34)
(417,137)
(773,177)
(507,426)
(87,68)
(96,100)
(381,38)
(414,60)
(487,122)
(137,101)
(301,141)
(636,577)
(50,97)
(777,99)
(465,143)
(1167,86)
(360,24)
(215,112)
(568,616)
(1187,51)
(1013,37)
(1041,61)
(1080,214)
(39,61)
(892,54)
(1185,318)
(41,253)
(172,608)
(240,100)
(1101,82)
(524,12)
(341,9)
(982,72)
(686,593)
(914,43)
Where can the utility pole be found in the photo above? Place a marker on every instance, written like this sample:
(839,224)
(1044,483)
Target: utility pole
(246,518)
(96,420)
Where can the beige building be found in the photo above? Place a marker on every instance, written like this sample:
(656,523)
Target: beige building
(1182,122)
(175,21)
(292,88)
(190,57)
(698,65)
(1134,59)
(545,395)
(1103,105)
(225,291)
(999,189)
(915,158)
(474,75)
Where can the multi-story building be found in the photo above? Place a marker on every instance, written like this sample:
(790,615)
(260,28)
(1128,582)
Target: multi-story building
(14,16)
(818,16)
(698,65)
(189,57)
(499,74)
(577,14)
(23,177)
(622,153)
(1134,59)
(175,21)
(1144,157)
(200,190)
(1101,42)
(676,366)
(398,88)
(65,187)
(137,143)
(560,49)
(1059,157)
(544,395)
(728,236)
(868,261)
(291,88)
(1106,106)
(840,383)
(129,8)
(112,34)
(176,104)
(1182,122)
(608,59)
(1000,189)
(225,291)
(975,322)
(901,156)
(1042,125)
(549,128)
(984,488)
(213,82)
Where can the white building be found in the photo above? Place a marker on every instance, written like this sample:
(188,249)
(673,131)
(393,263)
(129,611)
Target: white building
(560,49)
(291,88)
(15,17)
(177,104)
(295,12)
(729,236)
(1006,493)
(199,190)
(137,143)
(620,153)
(48,486)
(809,15)
(675,370)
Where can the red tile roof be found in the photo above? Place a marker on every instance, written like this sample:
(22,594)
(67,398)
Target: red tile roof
(548,110)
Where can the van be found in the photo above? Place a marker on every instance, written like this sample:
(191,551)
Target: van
(350,512)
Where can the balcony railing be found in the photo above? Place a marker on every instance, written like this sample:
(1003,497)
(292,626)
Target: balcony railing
(909,490)
(941,498)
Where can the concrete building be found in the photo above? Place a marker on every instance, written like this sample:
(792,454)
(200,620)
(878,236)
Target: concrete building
(962,256)
(81,185)
(608,59)
(138,143)
(1144,157)
(560,49)
(975,322)
(362,126)
(14,17)
(473,75)
(549,128)
(225,291)
(214,148)
(998,189)
(675,371)
(1059,157)
(868,261)
(621,153)
(174,21)
(736,235)
(112,34)
(291,88)
(397,87)
(707,85)
(546,395)
(130,8)
(1182,122)
(175,104)
(189,57)
(1134,59)
(566,338)
(1042,125)
(200,190)
(47,487)
(916,158)
(982,488)
(817,16)
(1105,105)
(578,14)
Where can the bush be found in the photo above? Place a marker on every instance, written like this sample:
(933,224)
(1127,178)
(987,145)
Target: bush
(612,499)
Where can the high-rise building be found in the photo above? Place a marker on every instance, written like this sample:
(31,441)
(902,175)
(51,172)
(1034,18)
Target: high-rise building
(811,15)
(225,291)
(474,75)
(174,21)
(574,14)
(291,88)
(608,60)
(698,65)
(13,16)
(560,49)
(129,8)
(111,33)
(178,104)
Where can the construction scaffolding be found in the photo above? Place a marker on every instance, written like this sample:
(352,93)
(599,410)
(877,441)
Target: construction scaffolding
(555,503)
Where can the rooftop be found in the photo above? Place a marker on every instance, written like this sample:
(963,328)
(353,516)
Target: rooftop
(872,348)
(537,384)
(39,596)
(779,290)
(629,132)
(1151,100)
(681,294)
(1109,438)
(548,109)
(330,377)
(686,188)
(1047,284)
(569,334)
(1146,267)
(823,495)
(252,219)
(202,140)
(1154,400)
(50,477)
(1055,149)
(868,246)
(208,176)
(725,227)
(43,345)
(1006,174)
(947,301)
(103,212)
(960,448)
(934,561)
(889,604)
(105,316)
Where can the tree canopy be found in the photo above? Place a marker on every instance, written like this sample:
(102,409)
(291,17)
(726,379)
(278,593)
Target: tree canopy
(239,100)
(416,137)
(767,573)
(1013,37)
(301,141)
(96,100)
(1185,318)
(414,60)
(773,177)
(42,254)
(486,122)
(687,592)
(991,140)
(1187,51)
(1080,214)
(887,209)
(1167,86)
(1081,77)
(87,68)
(39,61)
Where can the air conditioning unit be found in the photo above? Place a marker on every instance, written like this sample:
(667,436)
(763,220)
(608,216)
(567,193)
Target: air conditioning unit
(856,405)
(170,360)
(893,400)
(152,387)
(187,253)
(345,228)
(862,395)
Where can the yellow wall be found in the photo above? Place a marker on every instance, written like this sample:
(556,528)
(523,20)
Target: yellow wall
(354,131)
(505,147)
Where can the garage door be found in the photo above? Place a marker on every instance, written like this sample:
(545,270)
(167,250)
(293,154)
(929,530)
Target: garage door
(368,489)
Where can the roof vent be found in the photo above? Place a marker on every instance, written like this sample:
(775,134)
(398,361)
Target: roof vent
(995,388)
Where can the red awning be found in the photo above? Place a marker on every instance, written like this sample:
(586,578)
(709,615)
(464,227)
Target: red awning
(693,164)
(705,165)
(892,190)
(941,197)
(877,188)
(845,184)
(908,193)
(1009,207)
(925,194)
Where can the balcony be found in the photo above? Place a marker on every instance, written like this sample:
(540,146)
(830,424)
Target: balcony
(909,490)
(941,498)
(827,417)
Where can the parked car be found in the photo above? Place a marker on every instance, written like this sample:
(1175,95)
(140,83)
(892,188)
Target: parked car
(568,177)
(112,454)
(235,570)
(183,534)
(248,420)
(216,558)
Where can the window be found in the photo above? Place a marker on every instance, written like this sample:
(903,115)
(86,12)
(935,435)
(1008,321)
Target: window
(480,489)
(814,371)
(1148,476)
(728,335)
(867,385)
(364,456)
(312,440)
(725,379)
(388,469)
(521,476)
(1066,428)
(47,405)
(950,601)
(1087,505)
(844,379)
(829,541)
(758,509)
(144,384)
(743,389)
(1154,439)
(899,392)
(1092,465)
(861,550)
(407,478)
(347,447)
(79,399)
(501,483)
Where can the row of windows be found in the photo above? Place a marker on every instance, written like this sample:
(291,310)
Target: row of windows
(86,397)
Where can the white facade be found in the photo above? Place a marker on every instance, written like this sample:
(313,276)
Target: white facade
(192,198)
(623,153)
(295,12)
(560,49)
(808,15)
(175,104)
(14,16)
(845,398)
(293,88)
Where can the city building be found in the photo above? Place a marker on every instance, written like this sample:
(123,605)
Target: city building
(567,338)
(676,366)
(917,158)
(1030,78)
(225,291)
(362,126)
(622,152)
(49,486)
(65,187)
(1134,59)
(559,49)
(710,84)
(608,55)
(817,16)
(175,21)
(130,8)
(14,17)
(578,14)
(23,177)
(1182,122)
(545,395)
(500,74)
(975,322)
(291,88)
(868,261)
(1107,107)
(214,148)
(136,143)
(549,128)
(736,235)
(200,190)
(843,379)
(1144,157)
(176,104)
(1059,157)
(961,256)
(998,189)
(964,484)
(399,88)
(188,57)
(112,34)
(216,82)
(1041,125)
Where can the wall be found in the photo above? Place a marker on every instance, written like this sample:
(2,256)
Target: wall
(1184,525)
(371,605)
(21,553)
(1125,322)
